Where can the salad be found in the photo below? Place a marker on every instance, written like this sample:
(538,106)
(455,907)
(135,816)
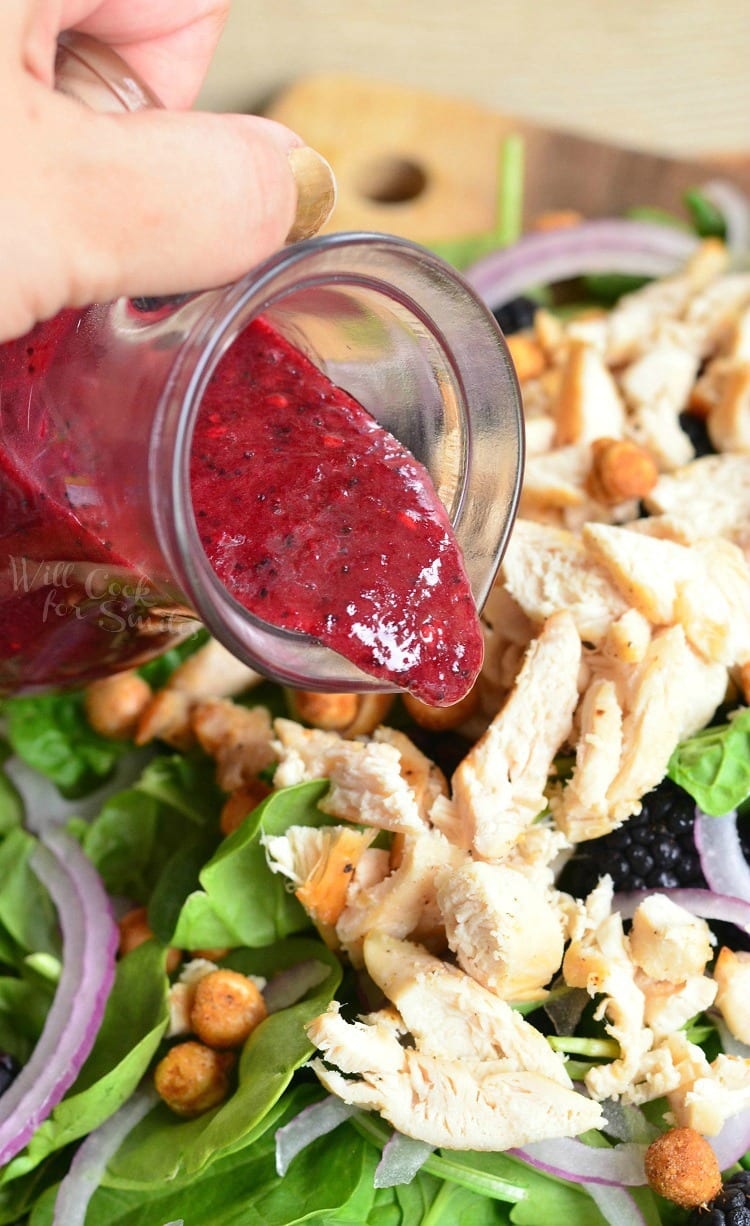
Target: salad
(273,957)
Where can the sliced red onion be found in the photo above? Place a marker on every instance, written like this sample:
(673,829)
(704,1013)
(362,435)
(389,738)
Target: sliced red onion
(729,1045)
(734,206)
(704,903)
(402,1158)
(314,1121)
(733,1142)
(569,1158)
(289,986)
(640,248)
(90,1161)
(89,944)
(722,859)
(616,1206)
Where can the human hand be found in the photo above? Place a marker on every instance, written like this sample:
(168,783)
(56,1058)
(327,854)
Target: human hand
(95,206)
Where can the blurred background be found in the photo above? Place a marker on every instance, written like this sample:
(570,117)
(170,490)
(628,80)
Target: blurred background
(667,75)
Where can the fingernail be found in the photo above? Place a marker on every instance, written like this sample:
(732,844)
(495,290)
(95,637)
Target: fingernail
(316,192)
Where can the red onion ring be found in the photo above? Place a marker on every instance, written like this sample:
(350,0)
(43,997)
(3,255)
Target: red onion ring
(569,1158)
(401,1159)
(616,1206)
(619,246)
(733,1141)
(88,966)
(704,903)
(289,986)
(314,1121)
(735,209)
(722,861)
(90,1161)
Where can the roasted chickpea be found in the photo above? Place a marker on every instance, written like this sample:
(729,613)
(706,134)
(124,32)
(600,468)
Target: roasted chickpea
(442,719)
(682,1166)
(226,1008)
(114,705)
(134,931)
(241,802)
(192,1078)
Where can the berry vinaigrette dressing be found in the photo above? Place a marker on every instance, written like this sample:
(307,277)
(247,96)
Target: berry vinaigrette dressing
(317,520)
(313,517)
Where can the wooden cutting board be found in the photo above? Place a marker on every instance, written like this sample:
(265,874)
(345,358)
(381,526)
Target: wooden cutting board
(426,167)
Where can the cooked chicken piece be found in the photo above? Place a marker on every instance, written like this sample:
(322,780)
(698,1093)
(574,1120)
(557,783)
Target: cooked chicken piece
(581,809)
(507,634)
(499,787)
(674,693)
(712,493)
(425,779)
(367,784)
(729,420)
(457,1104)
(555,479)
(672,1064)
(628,330)
(557,488)
(405,902)
(548,569)
(704,587)
(736,346)
(239,738)
(598,960)
(451,1015)
(627,639)
(713,313)
(589,404)
(486,910)
(540,434)
(320,862)
(732,975)
(709,1101)
(373,866)
(550,333)
(657,388)
(534,854)
(210,672)
(667,942)
(670,1005)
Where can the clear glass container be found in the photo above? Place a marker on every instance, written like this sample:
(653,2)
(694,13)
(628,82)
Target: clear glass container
(101,565)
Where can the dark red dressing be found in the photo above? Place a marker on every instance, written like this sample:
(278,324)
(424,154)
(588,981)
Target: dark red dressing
(313,517)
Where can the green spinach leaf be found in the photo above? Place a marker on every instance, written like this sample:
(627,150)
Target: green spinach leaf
(163,1147)
(50,733)
(242,896)
(714,765)
(134,1022)
(27,912)
(331,1183)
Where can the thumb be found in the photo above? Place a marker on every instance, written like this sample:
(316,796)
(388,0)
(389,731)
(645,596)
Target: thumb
(161,202)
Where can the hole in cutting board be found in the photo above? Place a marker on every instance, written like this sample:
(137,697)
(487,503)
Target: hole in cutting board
(391,180)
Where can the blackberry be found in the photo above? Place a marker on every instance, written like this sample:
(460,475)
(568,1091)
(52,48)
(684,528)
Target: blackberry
(516,315)
(654,850)
(9,1070)
(697,431)
(730,1207)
